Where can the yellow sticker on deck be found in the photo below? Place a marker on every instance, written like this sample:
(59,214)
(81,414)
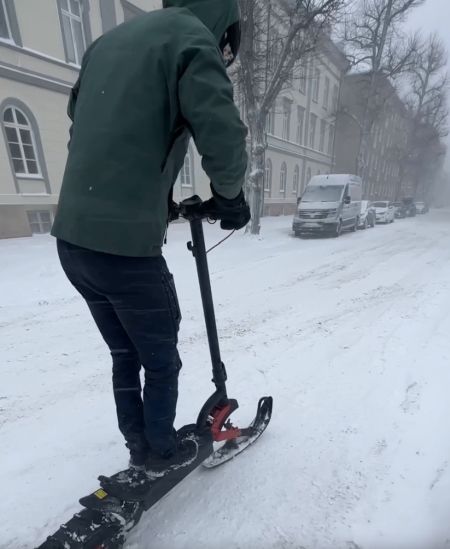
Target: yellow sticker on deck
(101,494)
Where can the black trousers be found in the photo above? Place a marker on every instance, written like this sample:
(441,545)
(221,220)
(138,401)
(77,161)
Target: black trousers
(135,306)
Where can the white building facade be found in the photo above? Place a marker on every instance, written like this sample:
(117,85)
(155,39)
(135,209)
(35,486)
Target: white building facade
(301,130)
(41,47)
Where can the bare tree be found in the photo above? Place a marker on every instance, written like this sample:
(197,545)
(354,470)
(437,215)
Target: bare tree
(277,35)
(427,103)
(429,85)
(377,45)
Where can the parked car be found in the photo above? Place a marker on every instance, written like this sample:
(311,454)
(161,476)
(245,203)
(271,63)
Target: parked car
(400,212)
(385,211)
(330,204)
(368,216)
(409,206)
(421,208)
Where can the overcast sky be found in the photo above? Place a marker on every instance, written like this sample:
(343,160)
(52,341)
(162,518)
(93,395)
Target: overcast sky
(433,16)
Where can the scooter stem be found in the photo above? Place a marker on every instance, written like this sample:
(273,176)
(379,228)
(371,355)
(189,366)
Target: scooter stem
(198,249)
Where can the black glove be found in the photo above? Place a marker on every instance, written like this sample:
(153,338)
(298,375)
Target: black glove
(234,214)
(174,211)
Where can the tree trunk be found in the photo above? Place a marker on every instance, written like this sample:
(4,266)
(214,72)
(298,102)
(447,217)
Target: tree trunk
(255,184)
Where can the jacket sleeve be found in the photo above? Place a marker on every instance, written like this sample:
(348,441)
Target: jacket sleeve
(206,101)
(76,89)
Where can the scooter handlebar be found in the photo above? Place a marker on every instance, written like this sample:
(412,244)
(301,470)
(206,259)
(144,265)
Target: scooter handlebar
(191,208)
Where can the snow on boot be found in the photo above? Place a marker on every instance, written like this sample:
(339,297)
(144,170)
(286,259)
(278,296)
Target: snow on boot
(134,483)
(186,453)
(139,450)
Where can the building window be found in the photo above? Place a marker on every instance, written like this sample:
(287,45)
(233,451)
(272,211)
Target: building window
(326,93)
(40,221)
(323,125)
(312,130)
(268,176)
(275,49)
(335,97)
(73,28)
(186,174)
(303,184)
(286,119)
(270,122)
(9,28)
(316,85)
(283,178)
(308,176)
(21,142)
(300,124)
(5,26)
(296,180)
(330,139)
(302,77)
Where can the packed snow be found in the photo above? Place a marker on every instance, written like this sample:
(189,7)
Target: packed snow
(349,335)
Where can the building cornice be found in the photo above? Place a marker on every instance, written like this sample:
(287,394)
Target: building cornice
(33,78)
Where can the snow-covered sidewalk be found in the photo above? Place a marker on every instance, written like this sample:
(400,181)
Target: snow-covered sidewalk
(349,335)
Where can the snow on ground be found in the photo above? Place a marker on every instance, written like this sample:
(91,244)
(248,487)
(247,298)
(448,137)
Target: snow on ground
(349,335)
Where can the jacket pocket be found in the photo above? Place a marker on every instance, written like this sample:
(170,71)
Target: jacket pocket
(174,305)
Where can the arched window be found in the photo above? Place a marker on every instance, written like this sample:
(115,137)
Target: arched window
(283,178)
(21,142)
(186,176)
(268,176)
(296,180)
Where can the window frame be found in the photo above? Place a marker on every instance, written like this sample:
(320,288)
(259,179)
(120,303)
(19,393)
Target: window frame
(270,121)
(268,180)
(312,131)
(326,92)
(11,23)
(18,126)
(9,37)
(300,127)
(189,157)
(85,28)
(322,132)
(335,98)
(287,111)
(316,85)
(283,178)
(303,75)
(39,221)
(12,102)
(296,179)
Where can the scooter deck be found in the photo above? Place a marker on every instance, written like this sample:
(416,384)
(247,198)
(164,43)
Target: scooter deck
(106,519)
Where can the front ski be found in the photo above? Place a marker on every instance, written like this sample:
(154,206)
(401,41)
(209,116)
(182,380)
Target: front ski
(236,446)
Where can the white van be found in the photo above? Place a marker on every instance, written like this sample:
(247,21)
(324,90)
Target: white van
(330,204)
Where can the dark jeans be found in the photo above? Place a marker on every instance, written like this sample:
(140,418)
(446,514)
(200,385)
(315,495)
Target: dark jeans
(135,306)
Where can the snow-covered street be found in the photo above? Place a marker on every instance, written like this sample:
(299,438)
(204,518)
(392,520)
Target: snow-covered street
(349,335)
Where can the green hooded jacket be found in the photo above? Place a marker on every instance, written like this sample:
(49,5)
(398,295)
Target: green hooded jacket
(144,89)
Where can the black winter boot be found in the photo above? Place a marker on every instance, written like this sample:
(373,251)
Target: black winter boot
(139,450)
(186,452)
